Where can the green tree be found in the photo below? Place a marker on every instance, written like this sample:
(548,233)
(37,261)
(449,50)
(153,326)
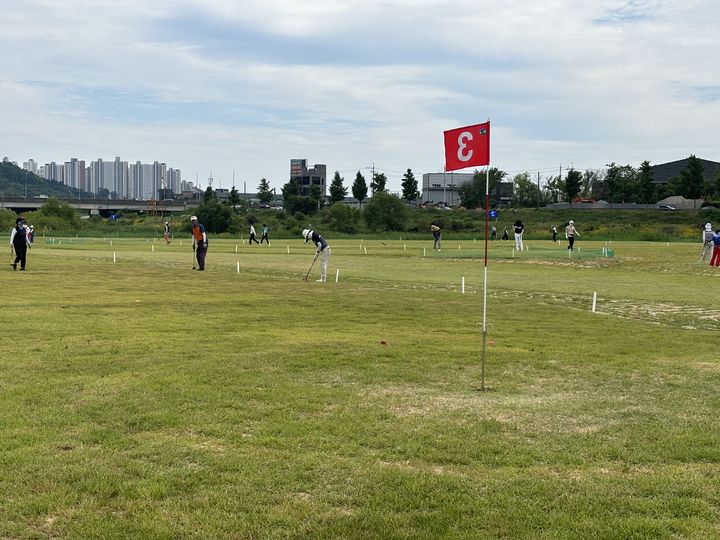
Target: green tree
(378,183)
(343,218)
(621,183)
(209,195)
(526,192)
(214,216)
(55,208)
(692,179)
(264,193)
(573,184)
(316,196)
(410,191)
(646,189)
(233,199)
(359,188)
(555,186)
(337,190)
(293,202)
(385,212)
(472,194)
(594,184)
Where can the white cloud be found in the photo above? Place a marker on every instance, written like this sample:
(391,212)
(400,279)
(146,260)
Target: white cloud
(247,86)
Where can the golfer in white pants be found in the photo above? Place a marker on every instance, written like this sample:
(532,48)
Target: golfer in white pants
(519,229)
(323,250)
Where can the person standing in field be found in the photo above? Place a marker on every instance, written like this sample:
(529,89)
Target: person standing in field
(493,233)
(519,230)
(553,230)
(570,233)
(166,233)
(715,259)
(505,234)
(322,250)
(19,242)
(707,239)
(200,242)
(265,235)
(437,235)
(253,235)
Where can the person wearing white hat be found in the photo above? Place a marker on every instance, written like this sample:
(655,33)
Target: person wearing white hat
(322,250)
(707,240)
(200,243)
(166,233)
(570,233)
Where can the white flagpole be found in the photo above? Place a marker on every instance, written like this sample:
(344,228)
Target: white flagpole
(484,324)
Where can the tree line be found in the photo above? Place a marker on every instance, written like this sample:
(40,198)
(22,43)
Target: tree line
(616,184)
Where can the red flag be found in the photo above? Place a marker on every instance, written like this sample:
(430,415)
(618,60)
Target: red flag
(467,147)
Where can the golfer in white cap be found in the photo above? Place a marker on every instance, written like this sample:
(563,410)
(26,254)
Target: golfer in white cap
(322,250)
(570,233)
(200,243)
(707,236)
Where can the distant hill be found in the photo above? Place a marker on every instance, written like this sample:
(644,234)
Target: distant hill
(13,181)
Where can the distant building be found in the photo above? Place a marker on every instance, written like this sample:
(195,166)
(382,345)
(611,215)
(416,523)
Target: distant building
(441,188)
(308,177)
(663,173)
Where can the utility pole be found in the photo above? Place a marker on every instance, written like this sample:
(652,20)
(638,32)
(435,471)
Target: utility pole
(538,195)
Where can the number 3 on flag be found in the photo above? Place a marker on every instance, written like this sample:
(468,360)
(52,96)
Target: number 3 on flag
(467,147)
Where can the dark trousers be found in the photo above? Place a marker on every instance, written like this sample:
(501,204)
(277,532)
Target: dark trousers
(200,254)
(265,238)
(571,242)
(253,239)
(20,255)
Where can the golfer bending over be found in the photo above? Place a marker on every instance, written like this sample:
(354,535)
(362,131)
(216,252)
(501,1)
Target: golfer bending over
(323,251)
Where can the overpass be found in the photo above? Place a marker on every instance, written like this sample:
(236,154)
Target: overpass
(104,207)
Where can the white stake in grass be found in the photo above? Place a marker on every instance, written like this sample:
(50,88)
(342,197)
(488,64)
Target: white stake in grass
(337,275)
(365,251)
(152,248)
(235,248)
(288,250)
(238,267)
(462,285)
(594,301)
(113,257)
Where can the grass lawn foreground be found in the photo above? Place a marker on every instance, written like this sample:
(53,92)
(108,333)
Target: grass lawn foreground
(140,399)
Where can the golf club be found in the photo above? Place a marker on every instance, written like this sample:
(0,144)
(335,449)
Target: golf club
(311,265)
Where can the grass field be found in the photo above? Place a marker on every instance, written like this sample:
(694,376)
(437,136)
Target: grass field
(140,399)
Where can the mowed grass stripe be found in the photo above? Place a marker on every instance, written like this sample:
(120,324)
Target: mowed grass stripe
(148,400)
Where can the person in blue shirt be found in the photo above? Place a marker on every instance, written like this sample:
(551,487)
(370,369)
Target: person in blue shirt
(715,259)
(265,234)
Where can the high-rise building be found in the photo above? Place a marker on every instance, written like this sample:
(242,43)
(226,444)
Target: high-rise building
(31,165)
(97,176)
(75,174)
(308,177)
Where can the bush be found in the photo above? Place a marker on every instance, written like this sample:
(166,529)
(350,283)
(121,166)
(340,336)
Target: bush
(385,212)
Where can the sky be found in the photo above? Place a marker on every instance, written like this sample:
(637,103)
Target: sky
(239,88)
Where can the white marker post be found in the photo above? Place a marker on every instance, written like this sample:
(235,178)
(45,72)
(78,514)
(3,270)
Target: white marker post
(113,257)
(365,251)
(337,275)
(238,267)
(423,252)
(594,301)
(462,285)
(152,248)
(288,250)
(235,248)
